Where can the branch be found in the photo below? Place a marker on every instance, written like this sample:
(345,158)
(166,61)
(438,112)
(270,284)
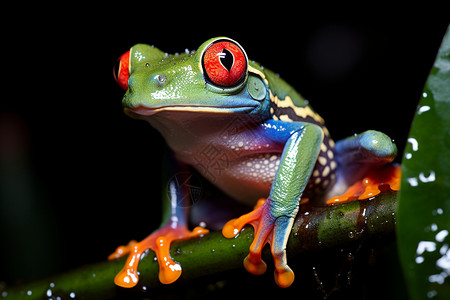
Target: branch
(315,228)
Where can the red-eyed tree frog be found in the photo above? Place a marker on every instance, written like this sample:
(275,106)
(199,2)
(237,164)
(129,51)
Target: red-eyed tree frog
(250,134)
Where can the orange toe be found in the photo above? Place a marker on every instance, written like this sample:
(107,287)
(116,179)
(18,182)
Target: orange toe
(264,234)
(122,250)
(284,278)
(377,181)
(159,242)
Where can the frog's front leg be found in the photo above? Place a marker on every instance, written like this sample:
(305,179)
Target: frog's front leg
(173,227)
(362,152)
(273,220)
(363,166)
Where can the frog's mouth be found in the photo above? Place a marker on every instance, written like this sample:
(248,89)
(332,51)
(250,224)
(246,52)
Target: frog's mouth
(141,110)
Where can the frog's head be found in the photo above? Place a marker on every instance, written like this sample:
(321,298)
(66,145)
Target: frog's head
(215,79)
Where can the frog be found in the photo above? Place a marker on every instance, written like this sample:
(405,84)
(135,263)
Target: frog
(251,135)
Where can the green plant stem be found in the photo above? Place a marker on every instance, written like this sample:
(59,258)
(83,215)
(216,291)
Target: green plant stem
(315,228)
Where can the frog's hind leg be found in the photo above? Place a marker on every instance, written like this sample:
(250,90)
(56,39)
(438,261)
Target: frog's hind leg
(174,227)
(359,156)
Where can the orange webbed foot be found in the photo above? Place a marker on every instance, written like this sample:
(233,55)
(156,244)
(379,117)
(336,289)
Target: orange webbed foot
(377,181)
(268,230)
(159,242)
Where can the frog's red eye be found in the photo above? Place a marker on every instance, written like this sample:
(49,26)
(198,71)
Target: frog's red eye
(224,63)
(121,70)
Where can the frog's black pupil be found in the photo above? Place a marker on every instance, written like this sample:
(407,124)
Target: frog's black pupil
(226,59)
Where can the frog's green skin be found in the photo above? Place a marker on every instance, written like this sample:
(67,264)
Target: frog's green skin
(258,139)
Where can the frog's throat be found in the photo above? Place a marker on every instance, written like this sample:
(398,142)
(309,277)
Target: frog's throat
(148,111)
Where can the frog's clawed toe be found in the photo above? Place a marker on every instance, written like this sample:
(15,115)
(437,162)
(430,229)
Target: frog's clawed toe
(268,229)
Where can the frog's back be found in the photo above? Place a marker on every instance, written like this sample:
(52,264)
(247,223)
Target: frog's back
(289,106)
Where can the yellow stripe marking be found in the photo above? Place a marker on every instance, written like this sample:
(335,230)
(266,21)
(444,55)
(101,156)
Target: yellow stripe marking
(299,111)
(259,73)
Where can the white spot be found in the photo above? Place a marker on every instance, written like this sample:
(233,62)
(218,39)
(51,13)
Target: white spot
(72,295)
(425,246)
(322,160)
(430,178)
(437,278)
(326,171)
(419,259)
(423,109)
(331,142)
(330,154)
(175,267)
(139,56)
(434,227)
(444,262)
(412,181)
(414,144)
(441,235)
(240,144)
(333,165)
(431,294)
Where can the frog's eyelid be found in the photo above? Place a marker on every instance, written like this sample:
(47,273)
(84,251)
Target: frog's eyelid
(259,73)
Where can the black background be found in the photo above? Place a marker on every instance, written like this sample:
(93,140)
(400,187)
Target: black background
(78,165)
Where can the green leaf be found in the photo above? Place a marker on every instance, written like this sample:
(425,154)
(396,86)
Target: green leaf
(423,224)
